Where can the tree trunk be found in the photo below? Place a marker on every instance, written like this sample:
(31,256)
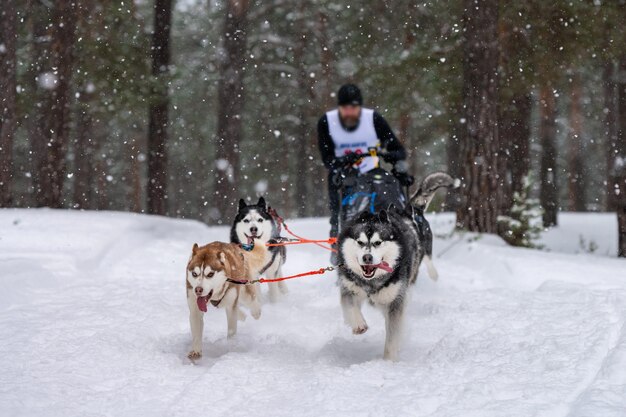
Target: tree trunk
(231,99)
(547,136)
(514,129)
(621,228)
(325,84)
(55,126)
(39,56)
(157,128)
(576,183)
(301,161)
(610,130)
(410,142)
(408,137)
(135,181)
(102,201)
(480,146)
(453,166)
(618,168)
(84,154)
(8,84)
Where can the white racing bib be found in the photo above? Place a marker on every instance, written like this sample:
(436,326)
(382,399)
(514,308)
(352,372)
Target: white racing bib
(358,140)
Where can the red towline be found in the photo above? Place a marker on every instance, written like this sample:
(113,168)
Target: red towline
(383,265)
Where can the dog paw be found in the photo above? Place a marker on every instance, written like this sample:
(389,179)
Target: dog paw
(360,329)
(391,356)
(194,355)
(255,312)
(272,297)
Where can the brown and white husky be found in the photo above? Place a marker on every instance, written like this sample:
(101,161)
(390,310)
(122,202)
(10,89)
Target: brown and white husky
(208,271)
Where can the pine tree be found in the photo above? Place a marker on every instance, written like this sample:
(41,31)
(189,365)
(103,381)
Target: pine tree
(522,227)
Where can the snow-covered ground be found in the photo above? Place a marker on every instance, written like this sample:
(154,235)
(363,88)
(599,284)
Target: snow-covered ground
(93,322)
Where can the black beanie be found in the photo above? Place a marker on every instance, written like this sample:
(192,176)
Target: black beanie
(349,94)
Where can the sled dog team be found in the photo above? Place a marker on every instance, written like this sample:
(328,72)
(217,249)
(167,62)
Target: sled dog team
(379,255)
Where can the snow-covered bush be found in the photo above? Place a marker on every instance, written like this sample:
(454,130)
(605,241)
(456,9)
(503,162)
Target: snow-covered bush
(523,226)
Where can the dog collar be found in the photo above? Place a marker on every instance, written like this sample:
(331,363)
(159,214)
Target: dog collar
(247,246)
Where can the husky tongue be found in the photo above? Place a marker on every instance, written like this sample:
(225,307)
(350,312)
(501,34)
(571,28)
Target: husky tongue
(202,303)
(385,266)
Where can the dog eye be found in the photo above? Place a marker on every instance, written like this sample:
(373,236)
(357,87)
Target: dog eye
(194,274)
(376,244)
(246,221)
(211,274)
(260,220)
(360,243)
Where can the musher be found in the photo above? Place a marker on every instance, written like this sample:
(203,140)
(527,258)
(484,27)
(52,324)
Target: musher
(347,134)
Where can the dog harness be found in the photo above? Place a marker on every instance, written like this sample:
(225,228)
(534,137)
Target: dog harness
(265,268)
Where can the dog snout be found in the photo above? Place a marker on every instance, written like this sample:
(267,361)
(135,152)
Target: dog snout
(254,230)
(198,290)
(368,259)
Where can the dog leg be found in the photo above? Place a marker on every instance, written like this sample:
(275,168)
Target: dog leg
(241,316)
(281,284)
(432,271)
(231,320)
(273,292)
(196,323)
(351,306)
(250,297)
(393,329)
(230,305)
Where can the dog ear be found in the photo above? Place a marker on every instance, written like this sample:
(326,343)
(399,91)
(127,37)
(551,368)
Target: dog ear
(194,249)
(363,217)
(261,203)
(222,258)
(242,204)
(383,216)
(230,264)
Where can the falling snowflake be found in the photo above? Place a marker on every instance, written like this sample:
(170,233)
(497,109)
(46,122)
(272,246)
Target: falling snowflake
(47,81)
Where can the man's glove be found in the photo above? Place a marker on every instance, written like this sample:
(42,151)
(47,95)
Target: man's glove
(351,158)
(388,157)
(341,162)
(405,178)
(400,172)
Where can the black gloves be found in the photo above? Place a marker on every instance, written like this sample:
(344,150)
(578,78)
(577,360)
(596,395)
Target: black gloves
(341,162)
(351,158)
(405,179)
(399,171)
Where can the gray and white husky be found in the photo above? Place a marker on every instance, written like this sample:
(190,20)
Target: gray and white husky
(255,221)
(379,258)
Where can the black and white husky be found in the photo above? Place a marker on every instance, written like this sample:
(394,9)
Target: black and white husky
(255,221)
(379,258)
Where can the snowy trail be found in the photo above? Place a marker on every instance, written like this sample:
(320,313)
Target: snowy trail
(93,322)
